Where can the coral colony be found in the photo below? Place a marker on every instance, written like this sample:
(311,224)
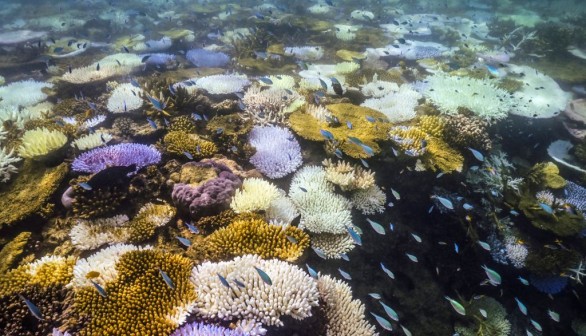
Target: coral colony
(311,168)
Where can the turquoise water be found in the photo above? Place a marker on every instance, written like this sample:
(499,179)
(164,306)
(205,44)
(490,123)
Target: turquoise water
(397,167)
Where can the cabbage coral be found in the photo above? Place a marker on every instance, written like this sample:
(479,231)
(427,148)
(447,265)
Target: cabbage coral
(255,236)
(345,316)
(368,132)
(40,142)
(254,195)
(138,297)
(291,293)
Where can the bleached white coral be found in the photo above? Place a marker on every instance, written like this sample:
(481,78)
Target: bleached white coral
(281,211)
(345,68)
(480,96)
(109,66)
(320,8)
(362,15)
(378,89)
(345,316)
(345,32)
(102,264)
(516,252)
(163,43)
(7,158)
(39,142)
(91,234)
(540,96)
(254,195)
(319,112)
(348,176)
(92,140)
(332,245)
(217,84)
(321,209)
(23,93)
(307,53)
(398,106)
(369,201)
(95,121)
(282,81)
(292,291)
(271,105)
(125,98)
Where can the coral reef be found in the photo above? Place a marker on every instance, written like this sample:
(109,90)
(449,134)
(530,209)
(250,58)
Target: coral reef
(467,131)
(256,236)
(495,323)
(254,195)
(39,143)
(368,132)
(126,154)
(12,250)
(190,145)
(277,151)
(348,176)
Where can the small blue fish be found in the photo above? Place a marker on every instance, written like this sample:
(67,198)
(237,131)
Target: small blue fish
(167,279)
(375,296)
(338,153)
(456,248)
(319,252)
(196,117)
(390,312)
(484,245)
(99,288)
(523,281)
(265,80)
(265,277)
(349,124)
(58,50)
(355,236)
(412,257)
(241,105)
(32,307)
(430,209)
(192,228)
(391,226)
(134,83)
(476,154)
(188,155)
(344,274)
(445,202)
(327,134)
(514,213)
(370,119)
(536,325)
(376,227)
(521,306)
(239,283)
(411,152)
(344,256)
(395,152)
(334,81)
(396,195)
(291,239)
(416,237)
(323,84)
(223,280)
(467,207)
(492,70)
(184,241)
(92,106)
(152,123)
(385,324)
(157,104)
(364,163)
(367,150)
(387,271)
(355,140)
(493,276)
(312,272)
(85,186)
(546,208)
(219,130)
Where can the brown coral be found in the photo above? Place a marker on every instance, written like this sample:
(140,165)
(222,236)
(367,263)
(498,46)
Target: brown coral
(468,131)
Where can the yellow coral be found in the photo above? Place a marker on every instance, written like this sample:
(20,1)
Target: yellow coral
(180,143)
(432,125)
(255,195)
(12,250)
(368,132)
(139,301)
(30,190)
(150,217)
(348,176)
(40,142)
(45,272)
(183,124)
(256,236)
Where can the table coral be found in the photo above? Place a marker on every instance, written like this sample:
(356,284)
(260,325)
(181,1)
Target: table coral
(256,236)
(368,132)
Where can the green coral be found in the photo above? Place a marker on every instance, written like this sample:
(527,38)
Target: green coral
(368,132)
(564,222)
(547,261)
(494,324)
(28,193)
(545,175)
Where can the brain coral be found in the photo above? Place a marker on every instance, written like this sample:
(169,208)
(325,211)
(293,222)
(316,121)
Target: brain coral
(256,236)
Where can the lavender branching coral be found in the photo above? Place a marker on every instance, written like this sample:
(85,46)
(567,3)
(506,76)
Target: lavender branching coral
(125,154)
(277,151)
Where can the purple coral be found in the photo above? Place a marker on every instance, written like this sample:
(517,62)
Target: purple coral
(203,58)
(575,195)
(202,329)
(211,195)
(125,154)
(277,151)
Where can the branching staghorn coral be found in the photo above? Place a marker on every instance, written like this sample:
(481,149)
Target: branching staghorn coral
(271,105)
(7,158)
(291,293)
(256,236)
